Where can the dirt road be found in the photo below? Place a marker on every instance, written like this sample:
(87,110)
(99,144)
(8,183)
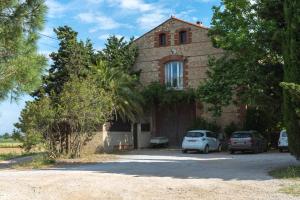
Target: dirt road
(154,174)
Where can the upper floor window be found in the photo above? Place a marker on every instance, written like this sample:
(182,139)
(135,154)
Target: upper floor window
(174,75)
(162,39)
(182,37)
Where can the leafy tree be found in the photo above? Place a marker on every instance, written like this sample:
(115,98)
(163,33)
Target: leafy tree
(81,91)
(251,68)
(16,135)
(291,54)
(20,65)
(6,136)
(36,122)
(84,106)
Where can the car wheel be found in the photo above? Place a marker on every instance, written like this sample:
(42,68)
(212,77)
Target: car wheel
(280,150)
(206,149)
(232,151)
(184,151)
(219,148)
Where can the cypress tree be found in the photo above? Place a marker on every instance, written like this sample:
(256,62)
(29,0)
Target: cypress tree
(291,54)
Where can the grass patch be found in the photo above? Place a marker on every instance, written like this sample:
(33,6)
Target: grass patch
(8,156)
(10,144)
(87,159)
(37,162)
(291,172)
(291,189)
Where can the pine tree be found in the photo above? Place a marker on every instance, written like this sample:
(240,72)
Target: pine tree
(20,65)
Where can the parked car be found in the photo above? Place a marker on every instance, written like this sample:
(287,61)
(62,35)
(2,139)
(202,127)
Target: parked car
(247,141)
(283,143)
(201,140)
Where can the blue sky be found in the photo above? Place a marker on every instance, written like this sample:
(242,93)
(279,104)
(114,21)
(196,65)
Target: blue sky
(97,19)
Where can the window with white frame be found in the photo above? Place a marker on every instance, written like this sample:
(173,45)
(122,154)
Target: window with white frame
(174,75)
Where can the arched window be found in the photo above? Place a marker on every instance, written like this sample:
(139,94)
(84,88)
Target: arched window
(182,37)
(174,74)
(162,39)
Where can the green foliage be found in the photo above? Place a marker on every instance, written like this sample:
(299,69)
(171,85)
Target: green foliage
(230,128)
(73,58)
(203,124)
(294,91)
(36,122)
(6,136)
(122,87)
(16,135)
(291,52)
(119,53)
(250,70)
(258,120)
(292,172)
(38,161)
(158,94)
(81,91)
(20,65)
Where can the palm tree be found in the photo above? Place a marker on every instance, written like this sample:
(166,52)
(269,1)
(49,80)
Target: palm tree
(122,88)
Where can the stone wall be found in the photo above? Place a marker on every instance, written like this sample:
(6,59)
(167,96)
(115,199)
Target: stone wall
(95,145)
(117,140)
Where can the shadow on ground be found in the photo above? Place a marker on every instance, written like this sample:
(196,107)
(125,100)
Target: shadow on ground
(174,164)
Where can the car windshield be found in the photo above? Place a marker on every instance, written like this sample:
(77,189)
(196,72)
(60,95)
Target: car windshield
(283,134)
(241,135)
(194,134)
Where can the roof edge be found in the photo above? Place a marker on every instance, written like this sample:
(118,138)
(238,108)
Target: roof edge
(173,17)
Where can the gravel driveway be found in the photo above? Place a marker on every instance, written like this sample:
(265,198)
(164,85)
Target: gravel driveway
(154,174)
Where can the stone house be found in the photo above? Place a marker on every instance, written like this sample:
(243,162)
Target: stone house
(174,53)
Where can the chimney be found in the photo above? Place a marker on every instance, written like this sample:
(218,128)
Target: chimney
(199,23)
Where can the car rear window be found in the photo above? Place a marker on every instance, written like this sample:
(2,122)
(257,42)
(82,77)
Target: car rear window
(194,134)
(283,134)
(241,135)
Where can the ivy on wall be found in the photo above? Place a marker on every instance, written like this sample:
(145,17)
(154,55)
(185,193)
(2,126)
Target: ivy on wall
(158,94)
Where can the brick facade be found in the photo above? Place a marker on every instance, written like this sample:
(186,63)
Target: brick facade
(156,39)
(194,54)
(177,39)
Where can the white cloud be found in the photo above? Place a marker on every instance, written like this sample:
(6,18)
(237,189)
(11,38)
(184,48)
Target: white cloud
(94,1)
(102,22)
(55,9)
(138,5)
(105,36)
(150,20)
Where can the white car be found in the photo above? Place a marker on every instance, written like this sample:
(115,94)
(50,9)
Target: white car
(283,143)
(201,140)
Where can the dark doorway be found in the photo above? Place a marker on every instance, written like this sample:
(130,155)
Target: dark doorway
(135,136)
(173,121)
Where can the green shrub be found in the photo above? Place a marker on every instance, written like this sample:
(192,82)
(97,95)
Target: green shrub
(230,128)
(200,123)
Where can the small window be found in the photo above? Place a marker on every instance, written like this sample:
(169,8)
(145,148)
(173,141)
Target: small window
(174,75)
(162,39)
(183,37)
